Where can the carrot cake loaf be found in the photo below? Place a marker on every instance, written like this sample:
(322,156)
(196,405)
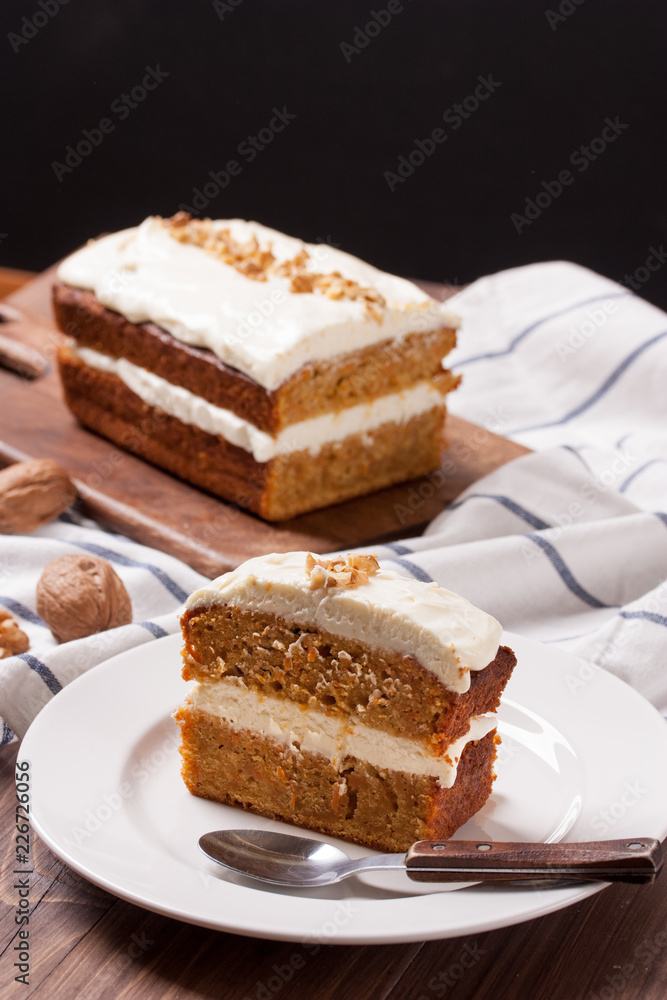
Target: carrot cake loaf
(342,698)
(280,375)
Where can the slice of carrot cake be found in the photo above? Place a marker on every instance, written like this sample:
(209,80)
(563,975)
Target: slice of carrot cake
(280,375)
(342,698)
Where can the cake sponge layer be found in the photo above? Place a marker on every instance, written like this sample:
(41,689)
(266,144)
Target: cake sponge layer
(276,490)
(447,634)
(390,692)
(380,808)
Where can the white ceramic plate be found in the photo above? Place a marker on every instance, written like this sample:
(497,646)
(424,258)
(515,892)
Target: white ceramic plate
(108,800)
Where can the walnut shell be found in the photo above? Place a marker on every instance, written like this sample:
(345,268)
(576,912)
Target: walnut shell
(78,595)
(32,493)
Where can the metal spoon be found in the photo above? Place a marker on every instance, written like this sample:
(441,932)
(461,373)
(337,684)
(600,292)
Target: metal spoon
(300,862)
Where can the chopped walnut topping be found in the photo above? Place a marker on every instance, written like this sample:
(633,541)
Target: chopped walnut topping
(340,572)
(333,285)
(249,259)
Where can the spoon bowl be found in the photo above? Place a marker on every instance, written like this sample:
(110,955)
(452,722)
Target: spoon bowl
(279,858)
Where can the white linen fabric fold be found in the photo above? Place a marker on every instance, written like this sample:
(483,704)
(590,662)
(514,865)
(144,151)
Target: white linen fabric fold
(567,545)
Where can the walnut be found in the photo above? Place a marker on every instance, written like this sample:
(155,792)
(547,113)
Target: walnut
(12,639)
(340,572)
(32,493)
(178,220)
(78,595)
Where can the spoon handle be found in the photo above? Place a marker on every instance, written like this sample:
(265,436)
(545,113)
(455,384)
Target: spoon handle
(631,860)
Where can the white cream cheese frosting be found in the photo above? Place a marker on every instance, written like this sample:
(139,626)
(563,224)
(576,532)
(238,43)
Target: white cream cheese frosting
(332,736)
(444,632)
(258,327)
(309,435)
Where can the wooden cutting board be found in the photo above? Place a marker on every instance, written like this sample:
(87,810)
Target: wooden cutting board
(130,496)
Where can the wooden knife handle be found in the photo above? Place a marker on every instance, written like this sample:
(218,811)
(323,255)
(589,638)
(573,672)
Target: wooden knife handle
(635,859)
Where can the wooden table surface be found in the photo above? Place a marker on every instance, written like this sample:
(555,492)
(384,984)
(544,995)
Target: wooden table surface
(86,943)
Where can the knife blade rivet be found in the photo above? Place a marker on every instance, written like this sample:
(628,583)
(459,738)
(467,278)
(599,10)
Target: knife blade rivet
(438,847)
(484,847)
(635,845)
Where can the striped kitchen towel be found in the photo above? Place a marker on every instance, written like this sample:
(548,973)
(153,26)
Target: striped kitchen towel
(553,354)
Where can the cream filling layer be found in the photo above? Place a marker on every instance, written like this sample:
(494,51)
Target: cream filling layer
(444,632)
(307,435)
(334,737)
(259,327)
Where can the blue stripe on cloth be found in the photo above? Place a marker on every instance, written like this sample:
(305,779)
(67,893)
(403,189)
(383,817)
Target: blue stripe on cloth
(545,319)
(7,734)
(565,573)
(67,518)
(504,501)
(414,570)
(662,516)
(633,475)
(121,560)
(20,611)
(599,393)
(49,678)
(400,550)
(649,616)
(575,451)
(154,629)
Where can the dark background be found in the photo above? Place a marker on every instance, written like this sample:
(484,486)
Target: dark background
(323,176)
